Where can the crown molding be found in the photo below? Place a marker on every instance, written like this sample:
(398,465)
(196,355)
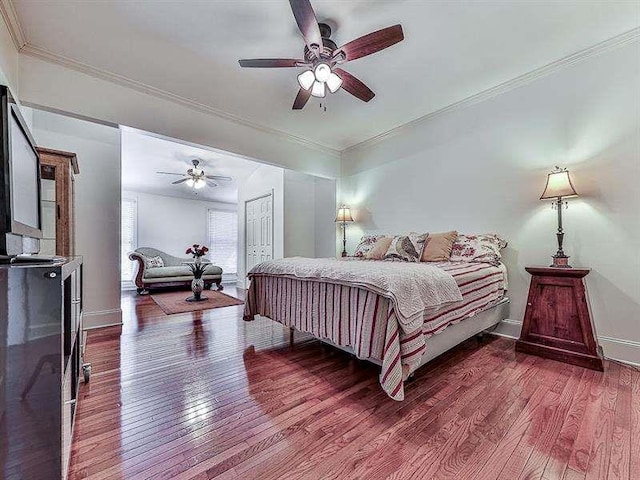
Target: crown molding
(10,17)
(614,42)
(46,55)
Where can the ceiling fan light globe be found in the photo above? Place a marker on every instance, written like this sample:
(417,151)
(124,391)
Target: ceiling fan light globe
(199,183)
(306,79)
(319,89)
(334,82)
(190,182)
(322,72)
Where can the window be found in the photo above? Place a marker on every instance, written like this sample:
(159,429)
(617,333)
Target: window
(222,235)
(128,237)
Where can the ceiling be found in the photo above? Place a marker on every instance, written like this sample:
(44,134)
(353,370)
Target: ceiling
(452,50)
(143,155)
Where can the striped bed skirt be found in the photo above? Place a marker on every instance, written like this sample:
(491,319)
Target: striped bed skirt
(349,316)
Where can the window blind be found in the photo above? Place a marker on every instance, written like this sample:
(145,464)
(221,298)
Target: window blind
(222,235)
(129,237)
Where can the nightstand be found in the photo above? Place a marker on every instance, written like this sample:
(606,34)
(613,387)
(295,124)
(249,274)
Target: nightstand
(557,322)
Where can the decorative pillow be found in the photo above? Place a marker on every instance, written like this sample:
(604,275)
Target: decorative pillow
(406,248)
(483,248)
(366,244)
(379,249)
(437,247)
(153,262)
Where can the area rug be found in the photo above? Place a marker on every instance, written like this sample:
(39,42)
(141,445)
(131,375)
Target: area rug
(175,302)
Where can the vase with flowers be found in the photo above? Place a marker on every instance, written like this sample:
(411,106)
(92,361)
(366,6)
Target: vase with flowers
(197,268)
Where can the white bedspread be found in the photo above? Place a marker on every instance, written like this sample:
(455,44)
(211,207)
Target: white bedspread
(414,288)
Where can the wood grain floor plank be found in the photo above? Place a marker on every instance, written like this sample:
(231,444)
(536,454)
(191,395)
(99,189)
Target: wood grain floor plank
(561,450)
(409,446)
(207,395)
(477,448)
(510,455)
(544,443)
(603,435)
(580,454)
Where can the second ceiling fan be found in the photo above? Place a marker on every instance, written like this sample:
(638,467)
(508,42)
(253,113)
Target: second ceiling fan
(196,177)
(322,57)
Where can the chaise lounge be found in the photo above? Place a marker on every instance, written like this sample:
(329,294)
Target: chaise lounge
(171,273)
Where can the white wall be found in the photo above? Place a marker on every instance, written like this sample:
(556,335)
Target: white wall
(309,213)
(483,168)
(172,224)
(97,207)
(325,214)
(299,215)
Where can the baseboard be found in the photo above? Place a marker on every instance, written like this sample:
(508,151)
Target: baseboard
(507,328)
(42,331)
(625,351)
(228,279)
(102,318)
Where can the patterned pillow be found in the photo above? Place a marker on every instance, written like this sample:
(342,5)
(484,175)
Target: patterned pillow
(484,248)
(153,262)
(366,244)
(406,248)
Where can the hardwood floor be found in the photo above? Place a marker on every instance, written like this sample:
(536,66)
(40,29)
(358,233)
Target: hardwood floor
(206,395)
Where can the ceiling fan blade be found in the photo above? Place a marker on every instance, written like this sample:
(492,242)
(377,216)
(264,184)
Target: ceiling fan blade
(211,184)
(371,43)
(170,173)
(178,182)
(271,63)
(219,178)
(354,86)
(301,99)
(307,23)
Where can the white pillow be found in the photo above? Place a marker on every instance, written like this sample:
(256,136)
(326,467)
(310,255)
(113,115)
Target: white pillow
(153,262)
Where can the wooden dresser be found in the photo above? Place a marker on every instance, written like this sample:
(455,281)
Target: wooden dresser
(58,170)
(557,321)
(41,351)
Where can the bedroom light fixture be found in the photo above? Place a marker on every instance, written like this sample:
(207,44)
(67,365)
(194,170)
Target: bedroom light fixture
(558,187)
(319,89)
(344,217)
(334,82)
(306,79)
(319,80)
(322,72)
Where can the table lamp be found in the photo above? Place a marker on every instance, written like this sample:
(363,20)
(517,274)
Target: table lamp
(344,217)
(559,187)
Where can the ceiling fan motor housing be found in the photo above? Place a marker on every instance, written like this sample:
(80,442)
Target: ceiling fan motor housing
(328,47)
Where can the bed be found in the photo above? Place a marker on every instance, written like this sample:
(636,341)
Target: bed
(398,315)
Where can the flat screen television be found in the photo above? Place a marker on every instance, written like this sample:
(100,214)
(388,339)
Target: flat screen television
(20,216)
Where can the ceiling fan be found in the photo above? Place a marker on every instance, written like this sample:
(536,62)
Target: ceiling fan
(322,56)
(196,177)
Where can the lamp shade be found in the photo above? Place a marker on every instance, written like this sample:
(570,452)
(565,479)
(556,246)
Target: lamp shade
(559,185)
(344,215)
(306,79)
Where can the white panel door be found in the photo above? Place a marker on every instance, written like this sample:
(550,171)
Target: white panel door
(259,230)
